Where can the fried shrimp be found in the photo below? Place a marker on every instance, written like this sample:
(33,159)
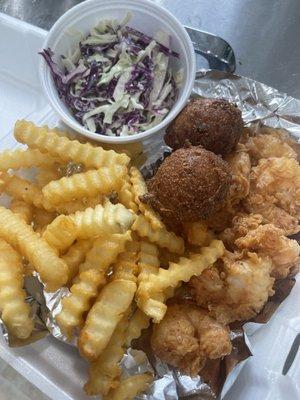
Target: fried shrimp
(188,336)
(271,242)
(237,290)
(277,180)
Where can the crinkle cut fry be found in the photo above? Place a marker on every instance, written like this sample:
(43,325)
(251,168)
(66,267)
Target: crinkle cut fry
(92,222)
(107,219)
(104,373)
(195,264)
(126,265)
(76,256)
(125,195)
(148,264)
(46,140)
(104,316)
(148,260)
(130,387)
(85,184)
(124,278)
(176,273)
(161,237)
(83,292)
(25,190)
(104,251)
(15,312)
(138,322)
(52,269)
(139,189)
(24,158)
(23,209)
(88,283)
(61,233)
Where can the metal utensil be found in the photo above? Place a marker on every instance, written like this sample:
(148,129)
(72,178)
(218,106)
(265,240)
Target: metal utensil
(292,355)
(214,49)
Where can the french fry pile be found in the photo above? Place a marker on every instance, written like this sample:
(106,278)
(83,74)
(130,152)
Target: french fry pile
(89,231)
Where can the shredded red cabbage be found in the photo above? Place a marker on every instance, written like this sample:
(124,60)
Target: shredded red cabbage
(121,81)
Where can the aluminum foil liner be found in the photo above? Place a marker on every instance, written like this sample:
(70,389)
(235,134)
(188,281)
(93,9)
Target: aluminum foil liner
(35,298)
(260,104)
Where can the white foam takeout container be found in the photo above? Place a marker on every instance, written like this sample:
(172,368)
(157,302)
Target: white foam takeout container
(54,367)
(149,18)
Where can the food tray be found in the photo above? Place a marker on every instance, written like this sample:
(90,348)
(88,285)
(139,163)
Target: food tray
(54,367)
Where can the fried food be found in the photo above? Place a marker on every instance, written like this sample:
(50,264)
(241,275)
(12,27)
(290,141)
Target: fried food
(241,224)
(90,280)
(24,158)
(15,312)
(182,271)
(82,293)
(104,316)
(85,184)
(130,387)
(46,140)
(138,322)
(272,214)
(191,184)
(120,261)
(186,268)
(52,269)
(23,209)
(277,180)
(284,136)
(76,256)
(60,233)
(23,189)
(240,167)
(139,189)
(188,336)
(104,251)
(161,237)
(268,145)
(109,218)
(237,289)
(198,233)
(214,124)
(221,220)
(105,372)
(126,196)
(126,265)
(148,260)
(209,286)
(267,240)
(148,264)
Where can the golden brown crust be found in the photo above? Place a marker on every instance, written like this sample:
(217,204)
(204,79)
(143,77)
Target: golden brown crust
(191,184)
(214,124)
(187,337)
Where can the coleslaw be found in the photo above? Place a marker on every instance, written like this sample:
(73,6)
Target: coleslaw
(118,81)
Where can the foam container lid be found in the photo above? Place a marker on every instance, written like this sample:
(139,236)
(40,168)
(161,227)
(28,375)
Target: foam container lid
(54,367)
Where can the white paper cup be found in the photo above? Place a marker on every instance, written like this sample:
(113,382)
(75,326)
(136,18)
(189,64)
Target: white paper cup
(148,17)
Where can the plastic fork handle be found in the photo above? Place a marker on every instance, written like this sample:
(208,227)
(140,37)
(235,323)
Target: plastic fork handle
(217,51)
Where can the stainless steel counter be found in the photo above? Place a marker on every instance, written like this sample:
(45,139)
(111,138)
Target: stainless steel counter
(263,33)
